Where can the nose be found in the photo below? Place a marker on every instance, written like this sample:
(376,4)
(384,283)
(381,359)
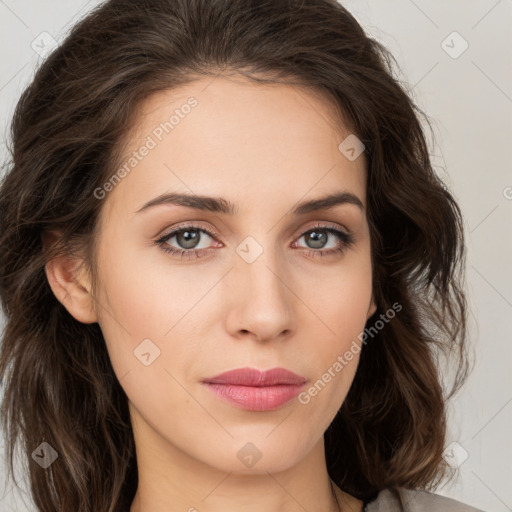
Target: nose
(262,302)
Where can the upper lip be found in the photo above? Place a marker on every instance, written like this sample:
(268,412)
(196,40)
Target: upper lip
(257,378)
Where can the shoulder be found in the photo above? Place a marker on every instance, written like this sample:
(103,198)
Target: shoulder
(410,500)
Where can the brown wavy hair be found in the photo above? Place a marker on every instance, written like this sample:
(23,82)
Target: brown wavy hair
(67,132)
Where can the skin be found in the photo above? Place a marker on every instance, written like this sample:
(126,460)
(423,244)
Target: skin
(264,148)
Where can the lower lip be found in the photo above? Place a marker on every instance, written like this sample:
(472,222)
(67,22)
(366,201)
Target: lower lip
(254,398)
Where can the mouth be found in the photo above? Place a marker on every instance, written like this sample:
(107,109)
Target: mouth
(254,390)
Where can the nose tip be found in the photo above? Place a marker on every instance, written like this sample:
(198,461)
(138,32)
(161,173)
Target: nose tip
(262,301)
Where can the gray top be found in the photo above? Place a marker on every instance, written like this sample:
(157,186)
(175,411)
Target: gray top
(408,500)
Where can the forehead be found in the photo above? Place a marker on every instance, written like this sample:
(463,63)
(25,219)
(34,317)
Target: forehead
(244,104)
(236,138)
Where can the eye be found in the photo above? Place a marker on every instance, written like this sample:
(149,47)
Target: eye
(318,238)
(189,238)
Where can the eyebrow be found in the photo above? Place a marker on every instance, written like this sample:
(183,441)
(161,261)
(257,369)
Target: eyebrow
(220,205)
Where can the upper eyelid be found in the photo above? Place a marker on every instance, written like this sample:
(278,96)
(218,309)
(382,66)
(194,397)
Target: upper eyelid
(172,232)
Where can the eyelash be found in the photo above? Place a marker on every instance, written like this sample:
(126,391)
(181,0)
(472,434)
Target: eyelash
(347,241)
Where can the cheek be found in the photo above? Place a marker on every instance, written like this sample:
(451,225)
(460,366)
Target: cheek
(334,357)
(148,294)
(149,307)
(340,295)
(339,307)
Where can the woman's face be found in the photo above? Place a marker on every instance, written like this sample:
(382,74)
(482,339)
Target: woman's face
(263,286)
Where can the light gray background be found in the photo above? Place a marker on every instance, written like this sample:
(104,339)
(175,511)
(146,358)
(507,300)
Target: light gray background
(469,100)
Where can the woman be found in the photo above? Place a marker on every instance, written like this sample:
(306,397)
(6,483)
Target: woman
(227,268)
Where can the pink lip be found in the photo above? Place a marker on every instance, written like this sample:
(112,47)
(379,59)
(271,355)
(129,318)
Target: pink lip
(254,390)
